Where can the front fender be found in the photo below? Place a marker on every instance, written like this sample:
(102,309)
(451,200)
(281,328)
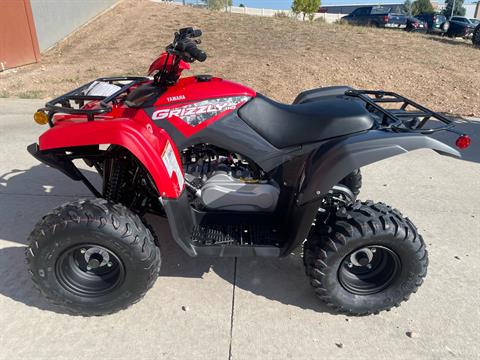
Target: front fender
(146,142)
(334,160)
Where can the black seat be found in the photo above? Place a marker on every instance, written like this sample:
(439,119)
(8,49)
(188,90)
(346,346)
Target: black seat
(289,125)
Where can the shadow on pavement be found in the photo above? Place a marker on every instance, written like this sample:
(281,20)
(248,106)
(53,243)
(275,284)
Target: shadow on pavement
(26,195)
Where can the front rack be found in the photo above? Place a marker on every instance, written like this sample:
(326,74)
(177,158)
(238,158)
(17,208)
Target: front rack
(66,103)
(408,117)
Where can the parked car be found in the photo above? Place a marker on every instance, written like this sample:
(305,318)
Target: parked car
(476,36)
(417,25)
(437,23)
(460,27)
(377,16)
(462,19)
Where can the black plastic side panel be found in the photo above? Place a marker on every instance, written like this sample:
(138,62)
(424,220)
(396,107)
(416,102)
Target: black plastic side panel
(62,164)
(238,251)
(330,163)
(180,221)
(234,134)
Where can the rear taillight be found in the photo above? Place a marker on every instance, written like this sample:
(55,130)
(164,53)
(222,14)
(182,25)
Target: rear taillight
(463,141)
(415,25)
(385,18)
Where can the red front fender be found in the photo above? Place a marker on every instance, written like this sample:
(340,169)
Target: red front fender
(151,146)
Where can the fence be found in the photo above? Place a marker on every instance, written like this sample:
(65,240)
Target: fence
(329,18)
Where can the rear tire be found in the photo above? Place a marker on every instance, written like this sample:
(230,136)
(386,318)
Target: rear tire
(92,257)
(370,260)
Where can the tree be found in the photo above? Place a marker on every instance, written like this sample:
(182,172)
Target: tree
(218,4)
(408,7)
(306,8)
(458,10)
(422,6)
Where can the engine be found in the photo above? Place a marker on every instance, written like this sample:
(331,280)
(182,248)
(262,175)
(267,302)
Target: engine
(220,180)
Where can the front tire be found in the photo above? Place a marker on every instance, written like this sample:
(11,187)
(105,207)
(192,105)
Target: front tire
(370,260)
(92,257)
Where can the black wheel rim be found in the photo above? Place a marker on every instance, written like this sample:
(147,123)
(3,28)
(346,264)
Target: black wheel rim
(369,270)
(89,270)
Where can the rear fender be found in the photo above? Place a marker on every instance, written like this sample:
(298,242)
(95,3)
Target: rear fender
(149,144)
(334,160)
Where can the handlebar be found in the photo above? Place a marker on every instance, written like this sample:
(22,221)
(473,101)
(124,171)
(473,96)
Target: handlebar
(190,47)
(185,44)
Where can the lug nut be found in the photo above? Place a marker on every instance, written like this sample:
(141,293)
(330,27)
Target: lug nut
(83,251)
(373,250)
(350,265)
(109,264)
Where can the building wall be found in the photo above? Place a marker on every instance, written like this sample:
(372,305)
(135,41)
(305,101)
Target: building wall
(471,10)
(55,19)
(18,40)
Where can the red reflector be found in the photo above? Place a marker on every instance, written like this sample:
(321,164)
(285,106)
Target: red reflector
(463,142)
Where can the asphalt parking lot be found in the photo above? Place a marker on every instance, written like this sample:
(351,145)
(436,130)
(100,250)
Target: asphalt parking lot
(202,308)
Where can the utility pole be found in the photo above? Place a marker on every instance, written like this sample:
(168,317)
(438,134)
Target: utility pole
(453,7)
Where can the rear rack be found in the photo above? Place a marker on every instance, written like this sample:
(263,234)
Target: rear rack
(65,103)
(409,117)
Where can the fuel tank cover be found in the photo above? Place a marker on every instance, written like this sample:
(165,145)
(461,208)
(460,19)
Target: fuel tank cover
(203,78)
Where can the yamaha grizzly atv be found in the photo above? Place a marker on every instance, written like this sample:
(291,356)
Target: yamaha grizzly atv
(236,174)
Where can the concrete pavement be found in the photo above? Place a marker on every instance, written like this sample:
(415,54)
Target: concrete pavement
(248,309)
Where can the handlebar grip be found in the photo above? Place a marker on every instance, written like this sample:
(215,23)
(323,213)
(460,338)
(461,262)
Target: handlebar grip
(197,33)
(199,54)
(195,52)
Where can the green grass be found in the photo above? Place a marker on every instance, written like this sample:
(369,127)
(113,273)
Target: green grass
(31,94)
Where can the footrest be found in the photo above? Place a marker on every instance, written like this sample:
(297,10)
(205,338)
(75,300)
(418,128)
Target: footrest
(227,234)
(236,240)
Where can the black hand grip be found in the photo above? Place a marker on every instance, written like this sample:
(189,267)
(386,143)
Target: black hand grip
(197,33)
(195,52)
(199,54)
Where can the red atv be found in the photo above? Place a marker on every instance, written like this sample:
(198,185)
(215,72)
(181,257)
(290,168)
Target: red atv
(236,174)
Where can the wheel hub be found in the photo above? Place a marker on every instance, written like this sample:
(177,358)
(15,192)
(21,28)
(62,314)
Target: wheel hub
(96,257)
(90,270)
(369,270)
(362,257)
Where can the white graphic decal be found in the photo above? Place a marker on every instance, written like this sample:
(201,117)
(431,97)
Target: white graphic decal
(196,113)
(171,164)
(176,98)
